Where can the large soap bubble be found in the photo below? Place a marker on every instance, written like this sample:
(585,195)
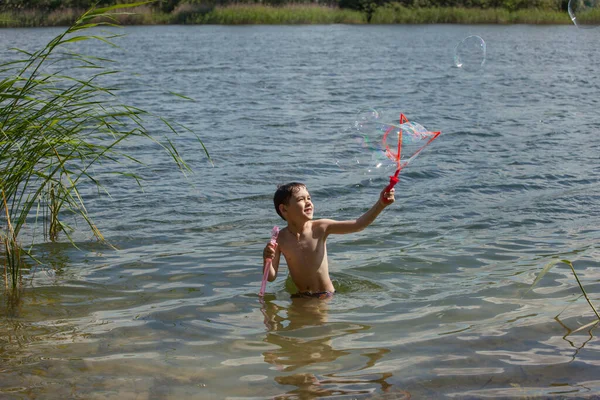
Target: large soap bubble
(470,53)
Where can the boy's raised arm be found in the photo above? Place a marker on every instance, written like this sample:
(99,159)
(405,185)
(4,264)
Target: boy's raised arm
(357,225)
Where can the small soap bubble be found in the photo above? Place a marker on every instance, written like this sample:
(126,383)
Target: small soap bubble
(470,53)
(366,118)
(584,13)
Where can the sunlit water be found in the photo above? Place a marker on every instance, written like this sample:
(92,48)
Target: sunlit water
(433,299)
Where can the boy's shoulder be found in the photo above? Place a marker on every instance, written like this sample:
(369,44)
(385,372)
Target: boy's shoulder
(283,232)
(321,225)
(314,224)
(323,221)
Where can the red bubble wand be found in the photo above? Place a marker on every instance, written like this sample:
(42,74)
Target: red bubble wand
(403,144)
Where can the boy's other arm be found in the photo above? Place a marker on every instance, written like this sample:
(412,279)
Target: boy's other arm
(271,252)
(357,225)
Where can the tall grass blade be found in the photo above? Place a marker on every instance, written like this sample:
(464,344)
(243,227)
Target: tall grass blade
(570,264)
(552,264)
(544,271)
(55,125)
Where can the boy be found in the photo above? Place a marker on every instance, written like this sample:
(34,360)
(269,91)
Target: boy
(303,241)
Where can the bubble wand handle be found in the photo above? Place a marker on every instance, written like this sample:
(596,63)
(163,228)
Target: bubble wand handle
(393,180)
(273,241)
(396,157)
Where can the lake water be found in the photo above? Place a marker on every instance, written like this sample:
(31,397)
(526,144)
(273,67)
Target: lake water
(433,299)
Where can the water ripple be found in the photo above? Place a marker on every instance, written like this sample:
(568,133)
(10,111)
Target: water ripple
(433,300)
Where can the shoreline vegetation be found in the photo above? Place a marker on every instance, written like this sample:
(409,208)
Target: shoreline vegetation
(290,14)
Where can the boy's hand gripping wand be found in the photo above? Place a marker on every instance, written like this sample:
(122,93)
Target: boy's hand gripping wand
(393,180)
(394,157)
(263,285)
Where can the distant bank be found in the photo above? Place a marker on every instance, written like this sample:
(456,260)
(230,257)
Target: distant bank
(243,14)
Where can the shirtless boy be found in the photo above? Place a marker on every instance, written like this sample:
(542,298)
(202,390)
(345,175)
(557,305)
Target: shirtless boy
(303,241)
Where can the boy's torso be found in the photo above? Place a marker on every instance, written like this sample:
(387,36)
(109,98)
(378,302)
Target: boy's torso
(306,257)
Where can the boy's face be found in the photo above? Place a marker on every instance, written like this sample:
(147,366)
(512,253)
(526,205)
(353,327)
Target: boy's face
(299,207)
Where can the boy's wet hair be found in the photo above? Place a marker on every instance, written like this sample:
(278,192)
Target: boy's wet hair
(284,193)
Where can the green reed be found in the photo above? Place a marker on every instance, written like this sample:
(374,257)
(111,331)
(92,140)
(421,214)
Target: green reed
(140,14)
(554,263)
(238,14)
(57,121)
(25,18)
(588,17)
(233,14)
(394,13)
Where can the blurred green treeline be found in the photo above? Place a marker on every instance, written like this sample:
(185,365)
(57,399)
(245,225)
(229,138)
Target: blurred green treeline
(64,12)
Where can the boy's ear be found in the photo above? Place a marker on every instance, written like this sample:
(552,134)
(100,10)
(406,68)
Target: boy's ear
(282,209)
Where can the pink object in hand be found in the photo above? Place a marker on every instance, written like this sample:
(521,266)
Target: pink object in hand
(263,285)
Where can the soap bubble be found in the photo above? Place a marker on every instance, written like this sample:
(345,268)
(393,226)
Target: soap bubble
(470,53)
(359,148)
(366,118)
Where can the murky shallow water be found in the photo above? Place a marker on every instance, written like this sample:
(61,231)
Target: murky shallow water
(433,299)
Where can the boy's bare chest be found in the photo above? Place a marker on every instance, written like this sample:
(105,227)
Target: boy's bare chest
(302,246)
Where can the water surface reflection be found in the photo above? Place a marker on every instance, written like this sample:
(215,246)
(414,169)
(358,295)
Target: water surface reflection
(303,340)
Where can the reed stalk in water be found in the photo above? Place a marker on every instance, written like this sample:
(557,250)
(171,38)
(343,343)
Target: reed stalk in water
(551,265)
(12,250)
(57,120)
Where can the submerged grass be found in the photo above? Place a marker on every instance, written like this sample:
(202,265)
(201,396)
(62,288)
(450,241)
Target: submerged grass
(57,120)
